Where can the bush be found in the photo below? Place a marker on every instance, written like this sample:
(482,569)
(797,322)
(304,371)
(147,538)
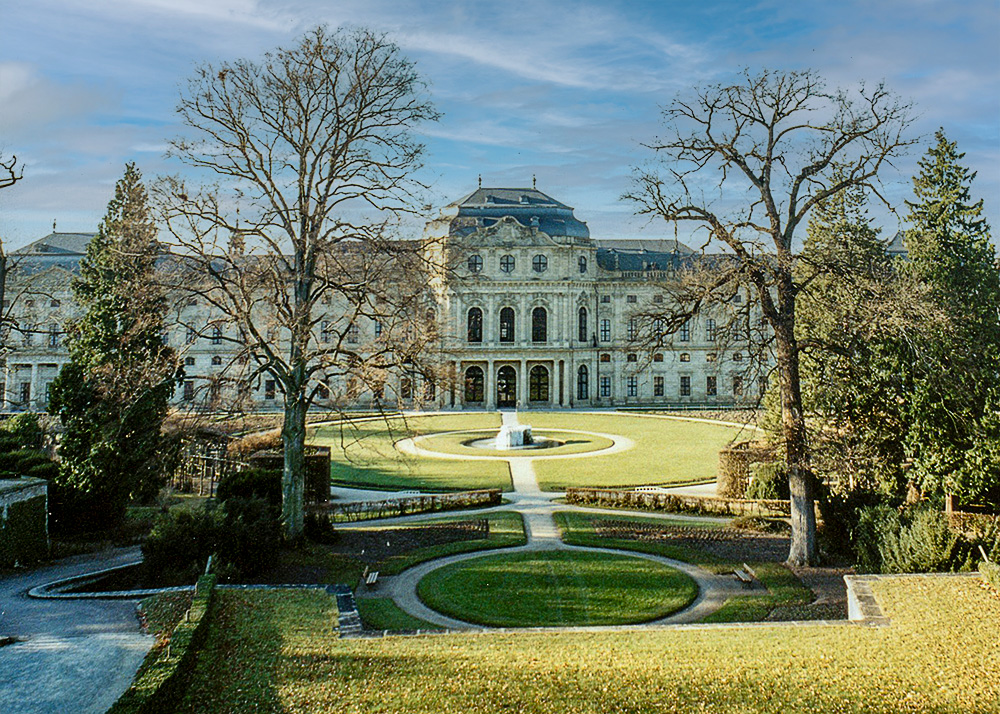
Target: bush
(991,574)
(261,441)
(47,470)
(244,535)
(768,481)
(913,540)
(252,483)
(8,442)
(21,460)
(25,429)
(760,524)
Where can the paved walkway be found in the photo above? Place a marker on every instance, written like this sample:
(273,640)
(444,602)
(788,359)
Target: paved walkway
(537,509)
(71,656)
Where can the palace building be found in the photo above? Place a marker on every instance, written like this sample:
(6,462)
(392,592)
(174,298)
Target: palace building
(532,313)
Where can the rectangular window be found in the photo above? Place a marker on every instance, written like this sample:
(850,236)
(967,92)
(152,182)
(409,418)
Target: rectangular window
(269,389)
(605,299)
(633,328)
(605,357)
(632,386)
(324,331)
(377,326)
(605,330)
(25,396)
(685,332)
(711,331)
(605,386)
(657,299)
(216,335)
(631,299)
(53,335)
(685,385)
(188,390)
(711,388)
(353,334)
(657,386)
(737,386)
(191,336)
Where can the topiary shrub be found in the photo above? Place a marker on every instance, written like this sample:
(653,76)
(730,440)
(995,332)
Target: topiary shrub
(768,481)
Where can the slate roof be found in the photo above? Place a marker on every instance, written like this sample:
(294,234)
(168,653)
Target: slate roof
(642,254)
(58,244)
(528,206)
(896,247)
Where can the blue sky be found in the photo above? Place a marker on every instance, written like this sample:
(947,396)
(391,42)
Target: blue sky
(565,91)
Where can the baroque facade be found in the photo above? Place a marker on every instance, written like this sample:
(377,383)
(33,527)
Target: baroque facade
(532,312)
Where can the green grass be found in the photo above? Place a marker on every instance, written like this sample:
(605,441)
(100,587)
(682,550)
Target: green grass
(506,531)
(381,613)
(363,455)
(556,588)
(572,443)
(276,652)
(666,451)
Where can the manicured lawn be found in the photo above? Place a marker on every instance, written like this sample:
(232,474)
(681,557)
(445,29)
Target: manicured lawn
(277,652)
(381,613)
(666,451)
(572,443)
(506,531)
(556,588)
(363,455)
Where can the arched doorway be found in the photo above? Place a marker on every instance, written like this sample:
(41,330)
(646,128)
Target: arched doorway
(474,385)
(506,387)
(538,384)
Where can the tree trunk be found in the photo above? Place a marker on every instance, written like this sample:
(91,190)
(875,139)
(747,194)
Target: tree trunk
(800,480)
(293,439)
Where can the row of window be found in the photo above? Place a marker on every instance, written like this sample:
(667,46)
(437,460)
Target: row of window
(539,263)
(658,357)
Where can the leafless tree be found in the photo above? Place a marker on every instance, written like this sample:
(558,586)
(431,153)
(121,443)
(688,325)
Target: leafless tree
(10,173)
(743,164)
(305,144)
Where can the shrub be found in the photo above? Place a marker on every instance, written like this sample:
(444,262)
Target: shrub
(21,460)
(250,537)
(761,524)
(47,470)
(8,442)
(991,574)
(252,483)
(252,443)
(914,540)
(25,429)
(768,481)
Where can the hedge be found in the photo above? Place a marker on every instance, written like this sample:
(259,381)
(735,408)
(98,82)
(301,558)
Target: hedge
(671,503)
(24,536)
(164,675)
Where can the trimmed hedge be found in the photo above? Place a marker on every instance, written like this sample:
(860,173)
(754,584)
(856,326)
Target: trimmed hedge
(164,675)
(24,537)
(671,503)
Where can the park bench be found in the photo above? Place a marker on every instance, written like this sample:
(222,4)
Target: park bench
(371,579)
(745,575)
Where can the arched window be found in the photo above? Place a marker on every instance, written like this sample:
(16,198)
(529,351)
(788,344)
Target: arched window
(539,325)
(507,324)
(538,384)
(581,320)
(475,325)
(582,262)
(475,385)
(582,383)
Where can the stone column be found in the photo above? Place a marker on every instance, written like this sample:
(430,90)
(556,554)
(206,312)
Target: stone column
(36,397)
(522,384)
(457,381)
(490,387)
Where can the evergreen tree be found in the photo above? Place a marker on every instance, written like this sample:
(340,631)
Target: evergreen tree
(953,408)
(112,395)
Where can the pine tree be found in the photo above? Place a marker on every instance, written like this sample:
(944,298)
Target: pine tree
(953,408)
(112,395)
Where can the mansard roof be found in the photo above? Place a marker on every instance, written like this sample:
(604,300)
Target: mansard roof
(528,206)
(58,244)
(641,254)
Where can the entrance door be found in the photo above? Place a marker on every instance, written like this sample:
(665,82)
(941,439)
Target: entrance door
(506,387)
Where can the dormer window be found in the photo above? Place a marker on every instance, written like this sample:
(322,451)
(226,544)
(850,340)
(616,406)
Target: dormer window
(524,199)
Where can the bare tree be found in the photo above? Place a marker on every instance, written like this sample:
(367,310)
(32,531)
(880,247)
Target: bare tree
(10,173)
(306,144)
(744,163)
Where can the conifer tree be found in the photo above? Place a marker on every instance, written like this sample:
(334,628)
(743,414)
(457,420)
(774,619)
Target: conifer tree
(953,408)
(112,395)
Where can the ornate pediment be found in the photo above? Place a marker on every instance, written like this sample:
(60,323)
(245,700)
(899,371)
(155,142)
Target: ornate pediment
(508,232)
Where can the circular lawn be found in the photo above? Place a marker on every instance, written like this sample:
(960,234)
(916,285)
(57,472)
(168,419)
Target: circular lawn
(556,588)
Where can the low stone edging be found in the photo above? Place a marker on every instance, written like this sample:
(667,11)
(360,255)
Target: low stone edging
(163,682)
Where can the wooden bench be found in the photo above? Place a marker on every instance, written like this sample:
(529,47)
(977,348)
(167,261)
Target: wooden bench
(371,579)
(745,575)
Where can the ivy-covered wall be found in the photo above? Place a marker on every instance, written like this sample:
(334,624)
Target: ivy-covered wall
(24,534)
